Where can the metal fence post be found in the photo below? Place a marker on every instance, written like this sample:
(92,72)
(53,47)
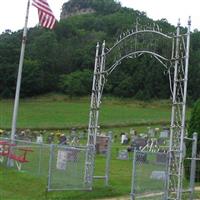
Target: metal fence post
(108,158)
(193,165)
(50,166)
(132,195)
(166,173)
(40,159)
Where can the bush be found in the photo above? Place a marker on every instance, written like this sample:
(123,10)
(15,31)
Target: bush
(77,83)
(194,126)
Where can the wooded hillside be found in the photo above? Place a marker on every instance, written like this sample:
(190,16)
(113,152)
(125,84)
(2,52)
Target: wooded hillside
(62,60)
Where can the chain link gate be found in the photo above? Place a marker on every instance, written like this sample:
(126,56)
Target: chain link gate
(67,168)
(149,175)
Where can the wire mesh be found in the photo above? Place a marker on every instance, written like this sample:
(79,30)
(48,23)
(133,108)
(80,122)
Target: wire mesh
(197,175)
(33,157)
(149,177)
(63,166)
(67,168)
(192,183)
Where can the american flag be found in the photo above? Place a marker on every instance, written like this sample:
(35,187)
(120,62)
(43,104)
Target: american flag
(46,16)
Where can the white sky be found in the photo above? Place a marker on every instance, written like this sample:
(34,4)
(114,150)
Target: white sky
(12,12)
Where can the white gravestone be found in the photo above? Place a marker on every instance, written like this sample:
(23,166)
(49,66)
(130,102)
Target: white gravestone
(39,139)
(61,160)
(158,175)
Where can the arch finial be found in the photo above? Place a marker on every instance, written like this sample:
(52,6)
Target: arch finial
(189,21)
(179,22)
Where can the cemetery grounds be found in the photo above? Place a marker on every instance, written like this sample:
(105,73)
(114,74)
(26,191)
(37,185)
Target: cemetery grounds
(117,115)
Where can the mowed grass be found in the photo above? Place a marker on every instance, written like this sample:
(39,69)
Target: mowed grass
(23,185)
(59,112)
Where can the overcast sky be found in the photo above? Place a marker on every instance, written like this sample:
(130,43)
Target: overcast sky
(12,12)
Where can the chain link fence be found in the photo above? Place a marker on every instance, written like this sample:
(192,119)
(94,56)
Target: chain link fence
(26,156)
(150,175)
(62,165)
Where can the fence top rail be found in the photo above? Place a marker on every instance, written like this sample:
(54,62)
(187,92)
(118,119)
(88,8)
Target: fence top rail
(23,141)
(67,147)
(193,159)
(46,145)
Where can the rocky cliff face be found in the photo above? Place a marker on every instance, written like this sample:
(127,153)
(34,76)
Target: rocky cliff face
(77,7)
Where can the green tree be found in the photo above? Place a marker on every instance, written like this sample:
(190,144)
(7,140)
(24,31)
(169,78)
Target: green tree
(8,74)
(32,79)
(70,47)
(194,126)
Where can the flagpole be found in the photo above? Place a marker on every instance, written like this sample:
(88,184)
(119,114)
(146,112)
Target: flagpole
(19,76)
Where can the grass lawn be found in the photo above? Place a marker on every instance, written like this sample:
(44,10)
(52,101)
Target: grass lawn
(24,185)
(60,112)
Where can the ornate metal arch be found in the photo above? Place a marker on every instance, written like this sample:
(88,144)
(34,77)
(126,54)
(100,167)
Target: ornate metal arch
(164,61)
(138,43)
(174,57)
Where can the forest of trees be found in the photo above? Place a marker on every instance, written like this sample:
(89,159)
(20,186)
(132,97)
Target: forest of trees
(62,60)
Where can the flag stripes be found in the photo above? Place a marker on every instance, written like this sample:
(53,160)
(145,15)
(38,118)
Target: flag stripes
(46,16)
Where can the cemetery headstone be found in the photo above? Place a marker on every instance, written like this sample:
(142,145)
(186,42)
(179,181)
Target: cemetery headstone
(161,158)
(141,157)
(151,132)
(132,131)
(102,144)
(72,155)
(123,155)
(164,134)
(138,143)
(39,139)
(61,163)
(158,175)
(161,141)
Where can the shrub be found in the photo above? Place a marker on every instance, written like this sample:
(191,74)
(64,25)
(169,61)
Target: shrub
(194,126)
(77,83)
